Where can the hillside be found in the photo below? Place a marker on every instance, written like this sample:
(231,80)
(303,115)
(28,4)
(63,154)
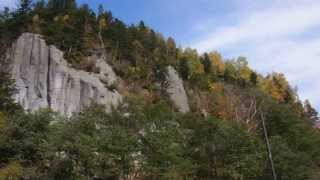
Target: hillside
(85,96)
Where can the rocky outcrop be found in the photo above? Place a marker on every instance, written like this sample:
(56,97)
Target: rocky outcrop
(44,79)
(176,90)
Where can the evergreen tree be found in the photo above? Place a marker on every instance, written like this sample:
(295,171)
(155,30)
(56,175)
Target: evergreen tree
(7,90)
(253,78)
(24,6)
(310,112)
(184,68)
(62,4)
(206,63)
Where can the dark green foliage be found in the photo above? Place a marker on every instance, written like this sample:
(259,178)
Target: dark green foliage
(254,78)
(184,68)
(155,143)
(310,113)
(61,4)
(293,141)
(152,142)
(7,90)
(206,63)
(22,136)
(24,6)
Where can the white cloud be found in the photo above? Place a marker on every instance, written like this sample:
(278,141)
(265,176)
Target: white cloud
(299,61)
(264,25)
(275,38)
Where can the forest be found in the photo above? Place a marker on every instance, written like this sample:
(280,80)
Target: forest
(145,137)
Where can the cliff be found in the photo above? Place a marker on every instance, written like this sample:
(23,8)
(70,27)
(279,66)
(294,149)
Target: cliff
(45,80)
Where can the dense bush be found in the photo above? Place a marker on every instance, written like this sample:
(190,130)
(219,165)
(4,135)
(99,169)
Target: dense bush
(152,142)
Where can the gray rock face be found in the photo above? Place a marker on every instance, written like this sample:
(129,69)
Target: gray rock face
(43,79)
(176,90)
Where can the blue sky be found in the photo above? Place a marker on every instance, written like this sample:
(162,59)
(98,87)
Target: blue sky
(275,35)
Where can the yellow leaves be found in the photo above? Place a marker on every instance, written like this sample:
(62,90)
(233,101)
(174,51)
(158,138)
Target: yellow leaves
(134,72)
(245,73)
(276,85)
(137,46)
(275,93)
(34,27)
(102,24)
(12,171)
(66,18)
(217,62)
(199,68)
(170,43)
(35,18)
(56,19)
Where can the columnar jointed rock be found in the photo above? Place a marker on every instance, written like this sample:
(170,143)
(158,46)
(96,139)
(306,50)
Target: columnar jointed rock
(176,90)
(43,79)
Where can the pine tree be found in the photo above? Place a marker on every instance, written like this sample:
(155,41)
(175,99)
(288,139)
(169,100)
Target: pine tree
(184,68)
(310,112)
(100,10)
(7,90)
(206,63)
(62,4)
(253,78)
(24,6)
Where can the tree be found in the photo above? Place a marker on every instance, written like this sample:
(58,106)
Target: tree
(4,15)
(171,50)
(40,6)
(62,4)
(217,63)
(253,78)
(193,62)
(101,10)
(230,73)
(24,6)
(310,112)
(207,64)
(7,90)
(184,68)
(137,53)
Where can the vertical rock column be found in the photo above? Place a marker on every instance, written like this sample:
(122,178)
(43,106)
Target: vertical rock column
(176,90)
(44,79)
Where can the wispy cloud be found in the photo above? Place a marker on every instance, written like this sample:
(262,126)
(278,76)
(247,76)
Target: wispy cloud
(264,25)
(278,36)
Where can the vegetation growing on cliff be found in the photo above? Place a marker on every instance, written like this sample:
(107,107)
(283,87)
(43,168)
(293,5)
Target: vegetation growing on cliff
(221,138)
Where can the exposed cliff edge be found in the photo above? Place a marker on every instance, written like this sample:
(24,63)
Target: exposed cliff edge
(44,79)
(176,90)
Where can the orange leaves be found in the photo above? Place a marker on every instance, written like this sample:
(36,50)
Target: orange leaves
(199,68)
(276,85)
(216,87)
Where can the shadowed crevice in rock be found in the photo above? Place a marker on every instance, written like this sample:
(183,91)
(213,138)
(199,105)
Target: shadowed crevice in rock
(48,80)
